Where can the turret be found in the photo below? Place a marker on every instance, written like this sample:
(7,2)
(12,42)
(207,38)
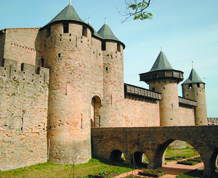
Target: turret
(113,82)
(65,49)
(194,88)
(164,79)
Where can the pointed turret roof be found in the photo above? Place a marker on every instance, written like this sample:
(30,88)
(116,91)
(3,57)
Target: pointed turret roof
(193,78)
(106,33)
(161,69)
(161,63)
(67,14)
(95,33)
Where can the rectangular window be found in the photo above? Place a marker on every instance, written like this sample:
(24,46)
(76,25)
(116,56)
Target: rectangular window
(48,32)
(42,62)
(66,27)
(103,46)
(84,31)
(118,47)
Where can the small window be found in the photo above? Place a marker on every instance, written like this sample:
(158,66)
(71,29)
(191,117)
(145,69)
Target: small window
(66,27)
(48,32)
(190,85)
(106,68)
(42,62)
(198,85)
(118,47)
(153,89)
(59,54)
(84,31)
(103,46)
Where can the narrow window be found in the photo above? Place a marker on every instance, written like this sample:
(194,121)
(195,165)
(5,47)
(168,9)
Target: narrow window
(106,68)
(81,121)
(48,32)
(59,54)
(103,46)
(153,89)
(99,121)
(84,31)
(198,85)
(66,27)
(190,85)
(42,62)
(22,66)
(118,47)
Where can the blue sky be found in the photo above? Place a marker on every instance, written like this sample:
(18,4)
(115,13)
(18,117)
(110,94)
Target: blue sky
(186,30)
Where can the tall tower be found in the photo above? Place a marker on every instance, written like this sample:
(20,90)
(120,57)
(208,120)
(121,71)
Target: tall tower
(194,88)
(65,49)
(113,82)
(164,79)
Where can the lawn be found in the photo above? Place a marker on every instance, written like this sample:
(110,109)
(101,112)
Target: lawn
(177,154)
(52,170)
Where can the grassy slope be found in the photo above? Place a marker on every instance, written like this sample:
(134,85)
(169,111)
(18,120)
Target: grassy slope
(52,170)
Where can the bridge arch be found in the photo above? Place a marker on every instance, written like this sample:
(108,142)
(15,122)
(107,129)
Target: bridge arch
(116,156)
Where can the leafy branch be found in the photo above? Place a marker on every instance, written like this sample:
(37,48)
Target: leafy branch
(137,10)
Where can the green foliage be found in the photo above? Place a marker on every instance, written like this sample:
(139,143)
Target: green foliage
(13,94)
(138,10)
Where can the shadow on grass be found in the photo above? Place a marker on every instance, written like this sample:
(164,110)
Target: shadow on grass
(121,163)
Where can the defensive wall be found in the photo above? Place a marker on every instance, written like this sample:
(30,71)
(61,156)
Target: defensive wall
(110,143)
(23,115)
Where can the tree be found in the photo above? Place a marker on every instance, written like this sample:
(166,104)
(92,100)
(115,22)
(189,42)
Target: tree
(137,10)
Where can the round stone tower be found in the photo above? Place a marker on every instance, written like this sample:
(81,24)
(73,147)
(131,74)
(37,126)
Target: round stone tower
(65,49)
(113,78)
(194,88)
(164,79)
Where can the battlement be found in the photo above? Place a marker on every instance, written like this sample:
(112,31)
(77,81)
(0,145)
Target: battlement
(28,72)
(186,101)
(131,89)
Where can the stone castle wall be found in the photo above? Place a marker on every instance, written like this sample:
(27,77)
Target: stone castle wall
(22,45)
(141,113)
(23,115)
(186,116)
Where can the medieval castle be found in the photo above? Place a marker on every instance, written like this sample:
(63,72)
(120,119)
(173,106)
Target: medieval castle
(59,81)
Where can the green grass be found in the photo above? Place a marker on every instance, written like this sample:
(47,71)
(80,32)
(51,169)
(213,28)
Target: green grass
(187,152)
(52,170)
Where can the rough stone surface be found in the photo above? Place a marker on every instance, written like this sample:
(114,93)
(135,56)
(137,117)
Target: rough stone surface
(154,141)
(23,116)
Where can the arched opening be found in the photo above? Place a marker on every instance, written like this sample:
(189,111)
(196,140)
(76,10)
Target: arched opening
(116,156)
(214,161)
(165,154)
(96,112)
(139,159)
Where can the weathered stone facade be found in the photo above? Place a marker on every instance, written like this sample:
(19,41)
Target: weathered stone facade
(110,143)
(23,115)
(59,81)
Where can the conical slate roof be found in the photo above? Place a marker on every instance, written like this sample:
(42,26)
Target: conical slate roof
(193,78)
(161,63)
(67,14)
(95,33)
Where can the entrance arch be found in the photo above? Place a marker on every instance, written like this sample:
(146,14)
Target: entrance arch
(96,112)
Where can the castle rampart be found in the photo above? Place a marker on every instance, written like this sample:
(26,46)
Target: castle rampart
(23,115)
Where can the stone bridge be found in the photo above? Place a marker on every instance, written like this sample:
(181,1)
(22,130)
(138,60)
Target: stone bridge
(110,143)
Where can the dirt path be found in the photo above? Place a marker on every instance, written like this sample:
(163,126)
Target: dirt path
(173,169)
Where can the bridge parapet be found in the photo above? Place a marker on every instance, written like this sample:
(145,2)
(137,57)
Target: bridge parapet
(153,141)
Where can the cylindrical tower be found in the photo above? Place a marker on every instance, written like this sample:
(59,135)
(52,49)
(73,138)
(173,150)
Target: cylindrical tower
(164,79)
(194,88)
(65,49)
(113,78)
